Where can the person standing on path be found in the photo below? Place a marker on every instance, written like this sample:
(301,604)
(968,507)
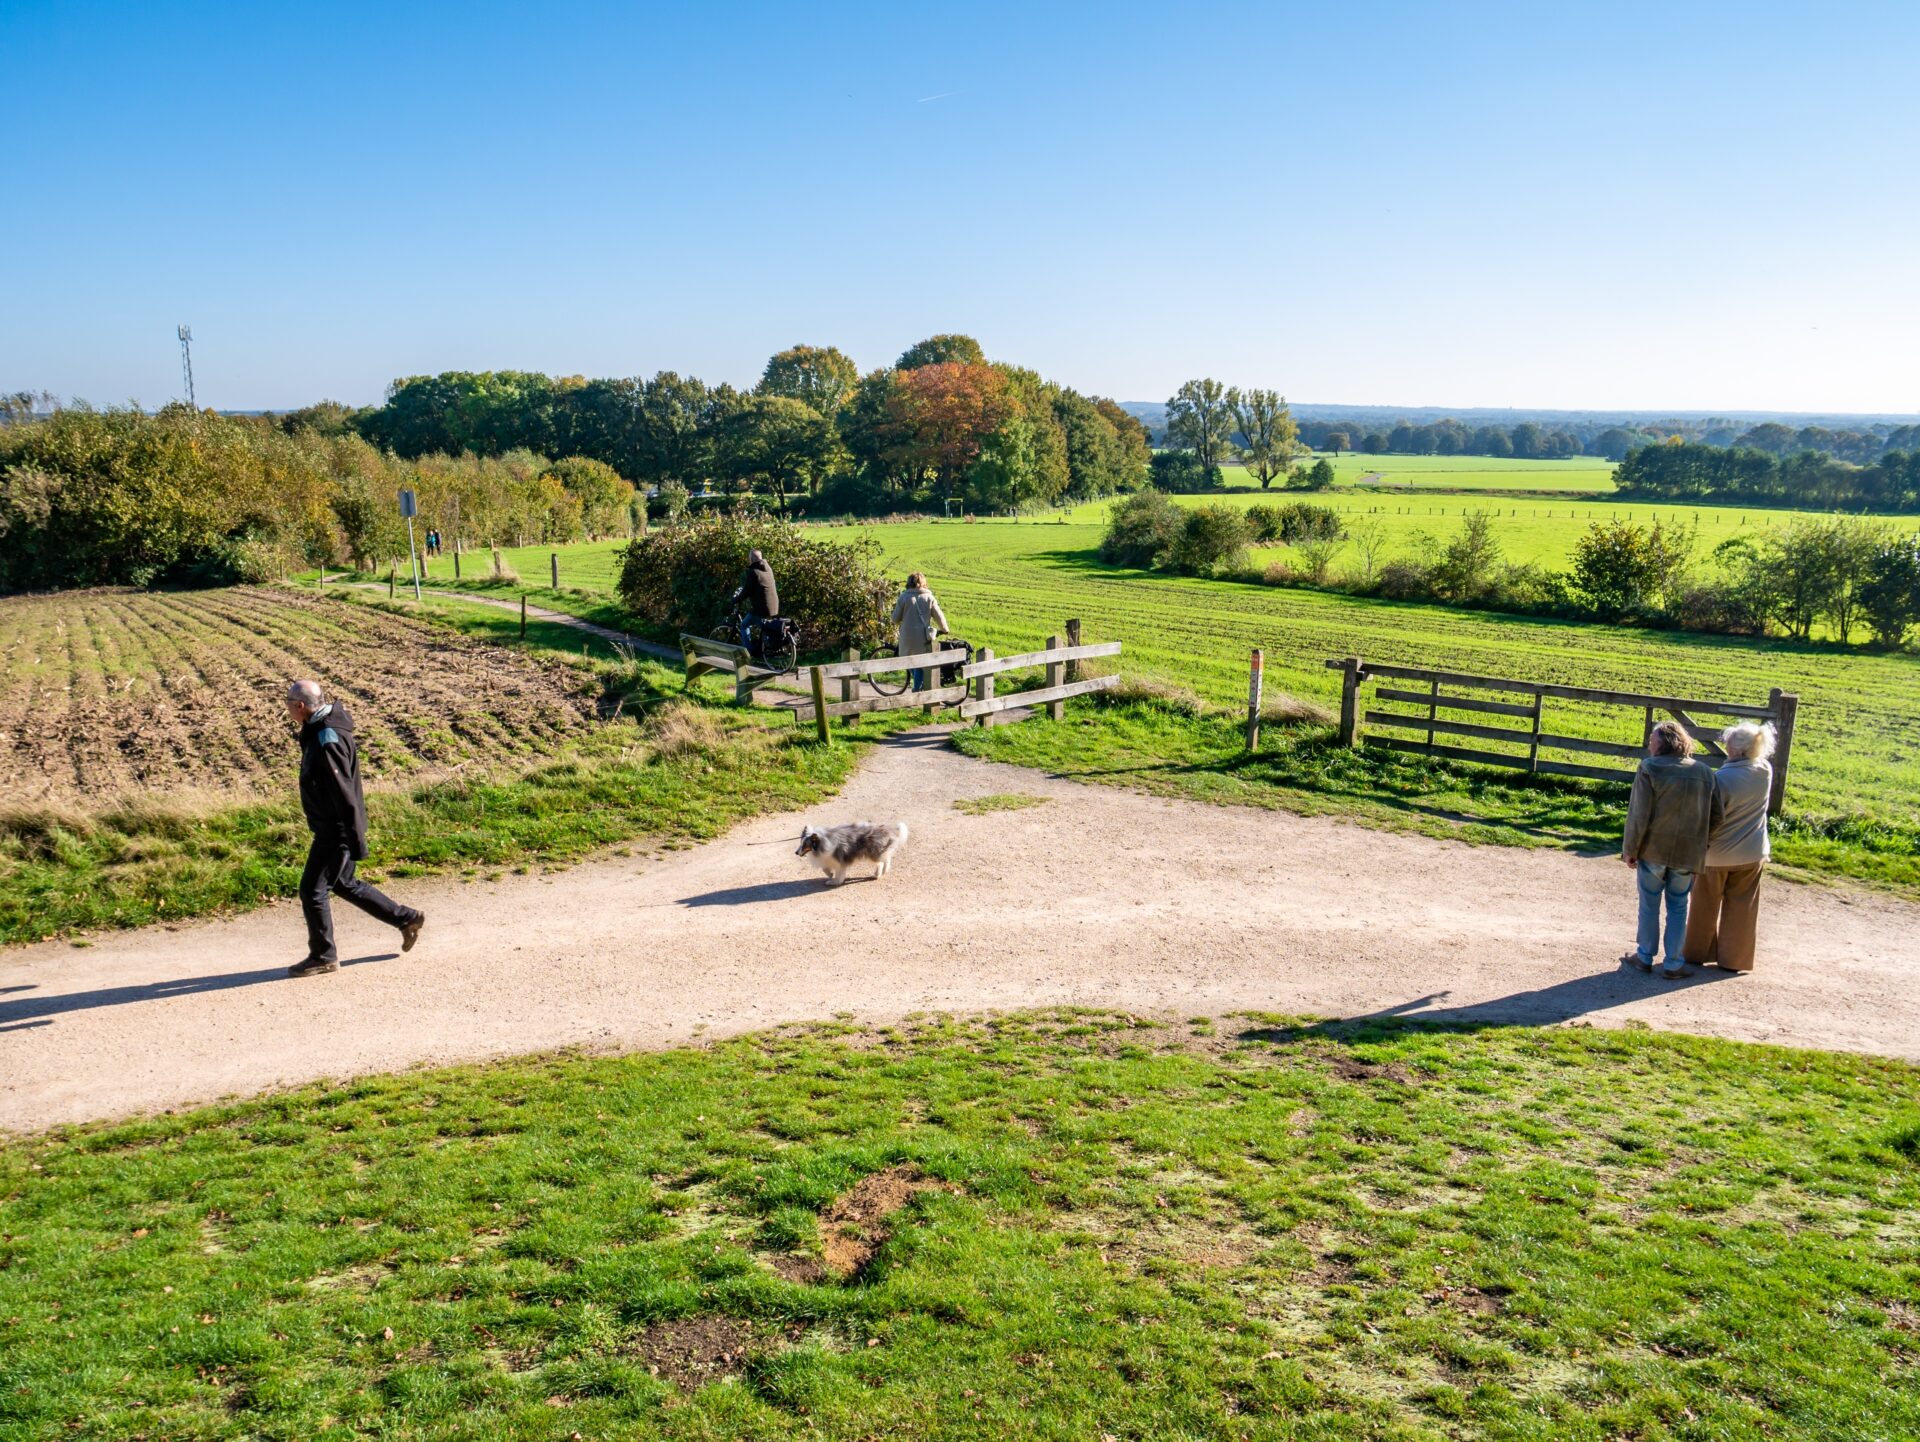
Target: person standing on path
(1668,819)
(336,812)
(1724,916)
(920,620)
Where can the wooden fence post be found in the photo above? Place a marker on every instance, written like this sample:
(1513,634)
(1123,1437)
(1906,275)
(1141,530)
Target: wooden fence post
(1786,707)
(1055,709)
(523,615)
(1073,639)
(983,688)
(554,558)
(822,725)
(456,563)
(1350,702)
(1256,680)
(850,685)
(389,583)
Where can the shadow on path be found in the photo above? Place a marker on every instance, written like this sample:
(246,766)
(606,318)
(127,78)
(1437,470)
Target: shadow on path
(1563,1001)
(763,892)
(16,1015)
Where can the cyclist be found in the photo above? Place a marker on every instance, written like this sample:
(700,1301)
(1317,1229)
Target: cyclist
(762,596)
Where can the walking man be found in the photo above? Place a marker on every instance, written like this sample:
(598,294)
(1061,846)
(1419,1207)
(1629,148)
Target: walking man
(337,815)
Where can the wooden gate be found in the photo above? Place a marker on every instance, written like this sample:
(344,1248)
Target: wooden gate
(1521,706)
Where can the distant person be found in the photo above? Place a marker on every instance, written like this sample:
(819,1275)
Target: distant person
(1724,917)
(433,543)
(336,814)
(1668,818)
(920,620)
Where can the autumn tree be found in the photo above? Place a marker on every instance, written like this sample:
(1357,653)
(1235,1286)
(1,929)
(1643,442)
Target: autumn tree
(1200,419)
(938,417)
(942,350)
(1268,435)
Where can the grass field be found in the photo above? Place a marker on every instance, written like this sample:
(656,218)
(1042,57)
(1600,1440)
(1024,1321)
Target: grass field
(1583,475)
(1010,585)
(1074,1226)
(152,773)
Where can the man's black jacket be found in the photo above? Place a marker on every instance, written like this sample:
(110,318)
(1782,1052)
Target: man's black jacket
(330,781)
(756,585)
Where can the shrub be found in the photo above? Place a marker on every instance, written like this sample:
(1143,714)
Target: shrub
(1266,522)
(1141,530)
(1717,606)
(1469,562)
(1890,595)
(1303,521)
(1182,473)
(1620,569)
(1279,572)
(1316,558)
(1211,537)
(1405,580)
(682,576)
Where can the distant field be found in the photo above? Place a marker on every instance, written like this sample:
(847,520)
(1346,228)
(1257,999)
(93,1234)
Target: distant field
(111,695)
(1582,474)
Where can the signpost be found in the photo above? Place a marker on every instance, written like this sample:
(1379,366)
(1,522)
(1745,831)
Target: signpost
(410,509)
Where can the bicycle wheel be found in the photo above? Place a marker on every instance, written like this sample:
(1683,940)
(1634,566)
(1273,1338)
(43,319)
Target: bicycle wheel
(786,658)
(889,683)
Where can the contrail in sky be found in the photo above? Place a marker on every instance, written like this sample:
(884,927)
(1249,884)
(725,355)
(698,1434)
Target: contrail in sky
(941,96)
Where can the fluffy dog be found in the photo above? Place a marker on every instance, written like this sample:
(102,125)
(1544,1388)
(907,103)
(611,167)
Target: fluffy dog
(836,848)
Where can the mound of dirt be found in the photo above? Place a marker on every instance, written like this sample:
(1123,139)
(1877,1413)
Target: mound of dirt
(693,1351)
(854,1226)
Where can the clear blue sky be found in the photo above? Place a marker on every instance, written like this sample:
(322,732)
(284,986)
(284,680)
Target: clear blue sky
(1607,205)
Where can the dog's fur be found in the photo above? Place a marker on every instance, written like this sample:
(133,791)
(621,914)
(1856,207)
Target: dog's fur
(836,848)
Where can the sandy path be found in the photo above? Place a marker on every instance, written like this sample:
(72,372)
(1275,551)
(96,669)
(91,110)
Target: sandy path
(1099,897)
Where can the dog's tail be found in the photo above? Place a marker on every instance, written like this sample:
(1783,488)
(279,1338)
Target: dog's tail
(901,827)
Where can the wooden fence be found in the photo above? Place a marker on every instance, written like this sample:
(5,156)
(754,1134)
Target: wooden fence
(973,695)
(1400,686)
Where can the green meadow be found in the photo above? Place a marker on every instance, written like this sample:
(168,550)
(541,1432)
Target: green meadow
(1078,1227)
(1579,475)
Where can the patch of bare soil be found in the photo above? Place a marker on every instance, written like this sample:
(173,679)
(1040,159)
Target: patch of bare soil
(1352,1069)
(114,696)
(855,1226)
(693,1351)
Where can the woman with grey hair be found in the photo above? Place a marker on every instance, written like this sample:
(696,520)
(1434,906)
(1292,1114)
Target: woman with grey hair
(1668,818)
(1725,914)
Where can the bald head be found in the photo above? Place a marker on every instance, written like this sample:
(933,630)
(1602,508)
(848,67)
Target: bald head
(303,699)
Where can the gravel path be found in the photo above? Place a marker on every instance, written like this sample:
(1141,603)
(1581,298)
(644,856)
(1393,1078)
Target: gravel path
(1099,897)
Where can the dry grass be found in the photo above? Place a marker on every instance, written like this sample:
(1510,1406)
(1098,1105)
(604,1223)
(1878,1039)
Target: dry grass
(682,730)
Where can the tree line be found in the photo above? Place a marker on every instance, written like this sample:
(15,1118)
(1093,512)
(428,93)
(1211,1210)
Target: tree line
(180,496)
(1532,440)
(941,424)
(1686,470)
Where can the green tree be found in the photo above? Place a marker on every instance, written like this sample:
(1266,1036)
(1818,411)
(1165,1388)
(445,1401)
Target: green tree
(781,444)
(1316,477)
(818,376)
(1200,419)
(1141,530)
(1269,439)
(604,497)
(1890,596)
(942,350)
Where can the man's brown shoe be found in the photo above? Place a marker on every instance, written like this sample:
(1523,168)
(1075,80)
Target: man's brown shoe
(410,933)
(312,966)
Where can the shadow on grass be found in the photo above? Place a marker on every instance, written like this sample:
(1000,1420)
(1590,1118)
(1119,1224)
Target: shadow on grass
(18,1015)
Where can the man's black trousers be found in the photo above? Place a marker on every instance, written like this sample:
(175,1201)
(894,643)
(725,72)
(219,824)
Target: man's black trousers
(329,869)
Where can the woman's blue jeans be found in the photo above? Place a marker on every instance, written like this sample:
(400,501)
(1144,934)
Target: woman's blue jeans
(1676,885)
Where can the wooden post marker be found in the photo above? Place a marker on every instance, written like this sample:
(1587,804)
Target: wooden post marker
(456,563)
(822,725)
(1256,680)
(1055,709)
(523,615)
(390,583)
(1073,639)
(553,558)
(850,686)
(983,688)
(1350,702)
(1786,707)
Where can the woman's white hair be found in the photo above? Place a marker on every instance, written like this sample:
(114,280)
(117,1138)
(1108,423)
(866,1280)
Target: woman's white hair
(1748,742)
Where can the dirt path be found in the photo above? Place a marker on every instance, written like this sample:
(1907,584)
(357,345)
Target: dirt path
(541,613)
(1098,897)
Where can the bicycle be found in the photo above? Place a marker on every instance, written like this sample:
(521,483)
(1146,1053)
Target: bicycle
(932,677)
(774,642)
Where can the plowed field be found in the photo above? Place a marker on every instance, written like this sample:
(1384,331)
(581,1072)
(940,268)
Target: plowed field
(109,695)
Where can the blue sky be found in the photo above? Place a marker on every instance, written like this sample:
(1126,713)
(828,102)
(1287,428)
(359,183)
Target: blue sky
(1657,206)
